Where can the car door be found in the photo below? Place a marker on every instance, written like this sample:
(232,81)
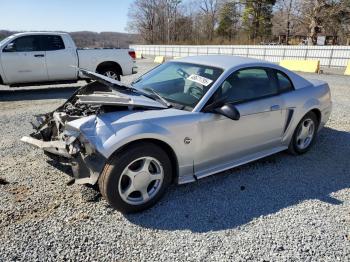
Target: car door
(61,60)
(23,60)
(225,142)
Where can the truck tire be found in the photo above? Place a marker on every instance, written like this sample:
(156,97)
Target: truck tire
(110,72)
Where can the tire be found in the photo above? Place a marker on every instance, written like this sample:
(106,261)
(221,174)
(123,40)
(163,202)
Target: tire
(110,72)
(136,178)
(303,139)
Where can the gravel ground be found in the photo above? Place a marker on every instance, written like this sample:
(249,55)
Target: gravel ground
(281,208)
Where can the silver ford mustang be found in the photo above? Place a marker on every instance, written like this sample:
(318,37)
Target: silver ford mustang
(184,120)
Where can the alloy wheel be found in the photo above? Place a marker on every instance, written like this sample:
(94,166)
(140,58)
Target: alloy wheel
(305,133)
(141,180)
(111,74)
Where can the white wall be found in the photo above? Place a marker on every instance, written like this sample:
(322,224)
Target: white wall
(329,56)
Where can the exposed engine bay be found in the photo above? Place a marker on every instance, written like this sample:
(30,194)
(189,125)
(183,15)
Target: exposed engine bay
(57,138)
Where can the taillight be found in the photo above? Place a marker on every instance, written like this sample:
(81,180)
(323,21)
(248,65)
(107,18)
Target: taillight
(132,54)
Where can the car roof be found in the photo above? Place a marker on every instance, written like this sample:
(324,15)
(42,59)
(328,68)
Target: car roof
(222,61)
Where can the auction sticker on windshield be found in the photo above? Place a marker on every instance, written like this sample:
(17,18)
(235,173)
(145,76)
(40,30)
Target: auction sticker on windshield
(200,80)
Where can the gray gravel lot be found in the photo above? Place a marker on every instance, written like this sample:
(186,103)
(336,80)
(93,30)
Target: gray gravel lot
(281,208)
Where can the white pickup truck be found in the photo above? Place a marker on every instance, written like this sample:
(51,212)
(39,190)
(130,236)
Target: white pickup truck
(46,57)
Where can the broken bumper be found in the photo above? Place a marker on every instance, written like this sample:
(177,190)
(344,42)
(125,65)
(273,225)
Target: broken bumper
(86,167)
(54,147)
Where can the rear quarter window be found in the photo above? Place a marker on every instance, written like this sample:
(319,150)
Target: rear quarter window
(284,83)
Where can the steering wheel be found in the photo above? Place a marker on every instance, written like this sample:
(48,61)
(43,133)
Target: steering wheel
(196,91)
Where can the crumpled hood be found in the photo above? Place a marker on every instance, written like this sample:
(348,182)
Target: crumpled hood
(116,96)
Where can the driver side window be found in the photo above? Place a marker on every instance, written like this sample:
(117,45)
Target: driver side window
(246,84)
(24,44)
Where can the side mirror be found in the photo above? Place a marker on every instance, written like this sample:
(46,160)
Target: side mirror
(229,111)
(9,48)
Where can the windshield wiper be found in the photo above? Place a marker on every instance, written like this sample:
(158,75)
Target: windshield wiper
(136,81)
(162,99)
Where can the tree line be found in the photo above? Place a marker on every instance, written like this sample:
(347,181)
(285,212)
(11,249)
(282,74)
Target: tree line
(238,21)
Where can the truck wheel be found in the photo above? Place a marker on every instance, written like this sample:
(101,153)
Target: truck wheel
(304,135)
(110,72)
(135,179)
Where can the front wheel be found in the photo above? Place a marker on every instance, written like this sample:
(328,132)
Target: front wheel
(136,178)
(304,134)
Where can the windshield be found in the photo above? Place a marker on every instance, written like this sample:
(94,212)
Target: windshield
(181,83)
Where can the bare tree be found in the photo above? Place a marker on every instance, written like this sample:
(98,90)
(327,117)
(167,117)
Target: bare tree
(318,15)
(210,10)
(142,16)
(286,16)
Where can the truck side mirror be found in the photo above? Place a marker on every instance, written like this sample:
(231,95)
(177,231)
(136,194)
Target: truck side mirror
(9,48)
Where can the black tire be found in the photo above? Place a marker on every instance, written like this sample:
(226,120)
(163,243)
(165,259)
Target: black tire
(109,69)
(112,173)
(294,145)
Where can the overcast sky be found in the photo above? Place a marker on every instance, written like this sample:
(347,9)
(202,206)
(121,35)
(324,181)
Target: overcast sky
(64,15)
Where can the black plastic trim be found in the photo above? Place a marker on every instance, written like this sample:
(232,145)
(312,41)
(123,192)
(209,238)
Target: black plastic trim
(290,113)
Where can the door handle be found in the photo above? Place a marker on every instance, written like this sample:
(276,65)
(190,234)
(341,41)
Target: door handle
(40,55)
(275,107)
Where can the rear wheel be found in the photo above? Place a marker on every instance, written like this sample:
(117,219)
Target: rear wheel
(136,178)
(304,135)
(110,72)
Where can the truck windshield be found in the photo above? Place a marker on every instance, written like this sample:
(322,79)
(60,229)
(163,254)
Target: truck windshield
(178,82)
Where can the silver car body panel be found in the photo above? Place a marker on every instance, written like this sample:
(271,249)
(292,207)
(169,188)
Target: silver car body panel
(207,143)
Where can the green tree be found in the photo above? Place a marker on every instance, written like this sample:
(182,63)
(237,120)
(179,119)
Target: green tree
(228,19)
(257,18)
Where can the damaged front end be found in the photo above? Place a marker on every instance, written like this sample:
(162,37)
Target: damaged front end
(59,135)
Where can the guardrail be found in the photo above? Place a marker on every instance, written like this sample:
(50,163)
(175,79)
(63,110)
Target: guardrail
(329,56)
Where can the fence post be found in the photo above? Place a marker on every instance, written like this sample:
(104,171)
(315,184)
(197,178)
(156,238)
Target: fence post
(247,51)
(264,52)
(306,51)
(331,57)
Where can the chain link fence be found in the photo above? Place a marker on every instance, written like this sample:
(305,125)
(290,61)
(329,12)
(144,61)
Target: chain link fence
(329,56)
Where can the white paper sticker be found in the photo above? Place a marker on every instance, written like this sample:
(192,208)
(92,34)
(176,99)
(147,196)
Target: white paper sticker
(200,80)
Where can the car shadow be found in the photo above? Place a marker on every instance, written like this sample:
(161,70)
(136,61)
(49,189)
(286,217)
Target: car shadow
(37,94)
(236,197)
